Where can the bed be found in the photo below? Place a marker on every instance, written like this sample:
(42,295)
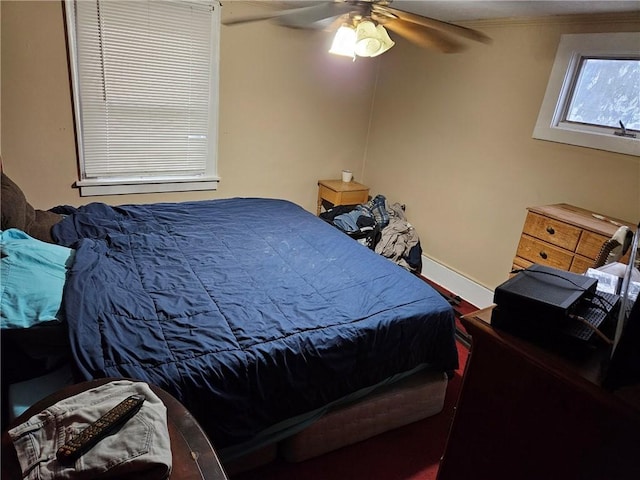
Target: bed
(258,316)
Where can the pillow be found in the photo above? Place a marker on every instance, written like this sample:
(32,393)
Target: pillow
(18,213)
(33,275)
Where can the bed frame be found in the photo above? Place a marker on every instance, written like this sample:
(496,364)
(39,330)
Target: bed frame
(414,398)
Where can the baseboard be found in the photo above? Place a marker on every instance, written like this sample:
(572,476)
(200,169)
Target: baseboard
(457,283)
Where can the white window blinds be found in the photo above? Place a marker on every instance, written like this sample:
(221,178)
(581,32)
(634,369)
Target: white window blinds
(145,88)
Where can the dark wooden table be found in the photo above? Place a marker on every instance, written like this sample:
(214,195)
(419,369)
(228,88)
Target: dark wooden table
(193,456)
(528,413)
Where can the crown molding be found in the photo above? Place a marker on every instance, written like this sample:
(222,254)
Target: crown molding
(582,19)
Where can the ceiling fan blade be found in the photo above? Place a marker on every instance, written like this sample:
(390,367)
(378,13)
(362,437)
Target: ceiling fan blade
(424,37)
(252,18)
(302,17)
(312,17)
(432,23)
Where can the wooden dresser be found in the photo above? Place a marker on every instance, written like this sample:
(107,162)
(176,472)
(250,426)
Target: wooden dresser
(564,237)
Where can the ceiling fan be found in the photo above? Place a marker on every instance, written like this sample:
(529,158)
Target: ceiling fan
(361,26)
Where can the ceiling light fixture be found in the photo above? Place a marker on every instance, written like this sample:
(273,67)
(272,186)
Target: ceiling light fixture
(365,39)
(371,40)
(344,43)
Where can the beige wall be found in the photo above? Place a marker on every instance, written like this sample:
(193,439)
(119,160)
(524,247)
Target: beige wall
(450,135)
(451,138)
(289,113)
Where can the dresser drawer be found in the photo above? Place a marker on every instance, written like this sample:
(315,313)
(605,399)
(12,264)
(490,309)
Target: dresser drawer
(590,244)
(537,251)
(552,231)
(580,264)
(520,263)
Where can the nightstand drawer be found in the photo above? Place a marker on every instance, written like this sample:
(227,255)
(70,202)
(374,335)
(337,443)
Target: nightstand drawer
(543,253)
(552,231)
(354,198)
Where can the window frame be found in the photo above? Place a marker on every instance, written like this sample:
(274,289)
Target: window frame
(571,50)
(152,184)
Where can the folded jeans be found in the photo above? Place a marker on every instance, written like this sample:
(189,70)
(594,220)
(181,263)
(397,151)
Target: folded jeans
(140,449)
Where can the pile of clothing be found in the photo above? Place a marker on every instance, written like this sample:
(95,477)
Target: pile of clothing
(381,227)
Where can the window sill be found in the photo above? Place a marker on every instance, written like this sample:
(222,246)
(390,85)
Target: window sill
(90,188)
(598,141)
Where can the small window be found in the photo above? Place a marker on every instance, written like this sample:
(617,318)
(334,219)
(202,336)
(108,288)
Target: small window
(145,84)
(593,94)
(606,94)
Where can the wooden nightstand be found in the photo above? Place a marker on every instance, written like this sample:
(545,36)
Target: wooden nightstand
(337,192)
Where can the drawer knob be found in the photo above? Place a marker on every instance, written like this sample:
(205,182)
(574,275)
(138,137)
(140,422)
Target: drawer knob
(550,230)
(543,255)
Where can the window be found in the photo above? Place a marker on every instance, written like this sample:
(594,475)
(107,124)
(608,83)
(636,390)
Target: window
(593,94)
(145,86)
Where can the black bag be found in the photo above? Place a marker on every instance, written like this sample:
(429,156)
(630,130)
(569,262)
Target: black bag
(368,233)
(367,236)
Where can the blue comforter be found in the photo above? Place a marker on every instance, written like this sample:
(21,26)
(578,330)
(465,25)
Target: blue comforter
(249,311)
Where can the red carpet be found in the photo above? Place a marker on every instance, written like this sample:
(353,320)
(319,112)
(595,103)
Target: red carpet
(408,453)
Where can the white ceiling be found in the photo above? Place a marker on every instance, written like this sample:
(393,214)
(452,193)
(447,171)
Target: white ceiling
(459,10)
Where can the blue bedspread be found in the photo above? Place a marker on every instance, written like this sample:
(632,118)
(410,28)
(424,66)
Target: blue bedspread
(249,311)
